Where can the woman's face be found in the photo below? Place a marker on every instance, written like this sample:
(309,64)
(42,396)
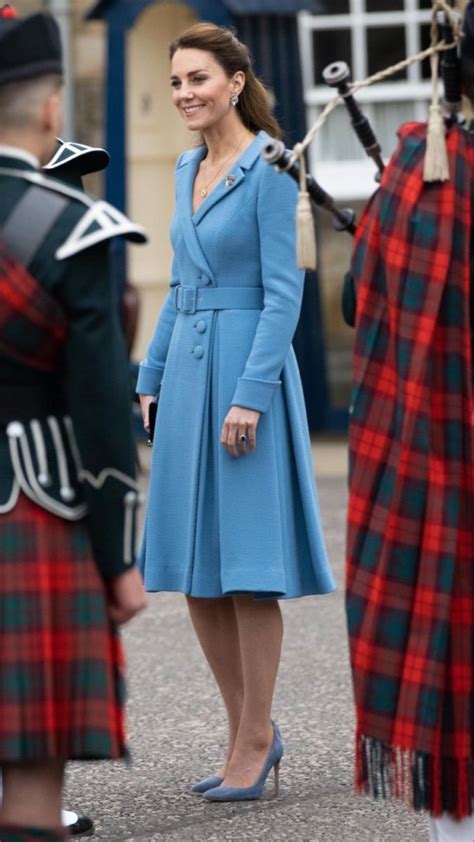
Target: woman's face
(201,88)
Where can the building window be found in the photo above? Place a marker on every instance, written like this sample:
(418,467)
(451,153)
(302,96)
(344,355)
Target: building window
(369,35)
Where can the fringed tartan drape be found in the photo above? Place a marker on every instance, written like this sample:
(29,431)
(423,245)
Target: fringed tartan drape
(410,550)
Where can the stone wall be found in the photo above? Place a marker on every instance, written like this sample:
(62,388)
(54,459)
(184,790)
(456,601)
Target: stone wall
(88,60)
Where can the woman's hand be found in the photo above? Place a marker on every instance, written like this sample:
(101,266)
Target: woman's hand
(240,422)
(145,401)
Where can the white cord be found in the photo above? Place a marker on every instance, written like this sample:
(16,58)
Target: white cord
(66,491)
(27,479)
(44,477)
(11,502)
(99,480)
(73,443)
(129,501)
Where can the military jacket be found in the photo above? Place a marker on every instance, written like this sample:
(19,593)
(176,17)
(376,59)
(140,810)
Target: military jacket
(73,453)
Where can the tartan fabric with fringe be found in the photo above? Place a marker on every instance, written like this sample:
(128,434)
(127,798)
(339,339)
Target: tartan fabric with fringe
(410,550)
(32,323)
(61,663)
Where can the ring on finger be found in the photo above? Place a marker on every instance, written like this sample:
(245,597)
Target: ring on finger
(243,438)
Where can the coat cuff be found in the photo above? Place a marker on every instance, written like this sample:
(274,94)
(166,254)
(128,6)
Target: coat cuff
(149,379)
(254,394)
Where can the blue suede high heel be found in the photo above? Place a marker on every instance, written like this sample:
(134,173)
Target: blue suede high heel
(211,782)
(253,793)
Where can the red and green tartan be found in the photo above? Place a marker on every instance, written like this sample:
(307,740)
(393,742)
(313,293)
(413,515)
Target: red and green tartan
(32,323)
(410,549)
(61,662)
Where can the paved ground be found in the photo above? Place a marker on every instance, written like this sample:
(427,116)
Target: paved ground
(177,728)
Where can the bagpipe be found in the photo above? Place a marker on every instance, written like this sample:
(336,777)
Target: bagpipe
(274,152)
(446,35)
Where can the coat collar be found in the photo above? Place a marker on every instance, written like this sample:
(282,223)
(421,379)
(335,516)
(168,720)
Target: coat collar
(186,174)
(229,182)
(19,159)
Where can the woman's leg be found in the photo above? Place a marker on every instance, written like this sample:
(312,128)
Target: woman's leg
(260,627)
(32,794)
(215,624)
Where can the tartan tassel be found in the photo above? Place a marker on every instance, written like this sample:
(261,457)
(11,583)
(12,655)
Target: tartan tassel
(414,777)
(436,166)
(305,235)
(306,254)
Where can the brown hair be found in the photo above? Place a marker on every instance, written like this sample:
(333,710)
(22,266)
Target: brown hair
(254,101)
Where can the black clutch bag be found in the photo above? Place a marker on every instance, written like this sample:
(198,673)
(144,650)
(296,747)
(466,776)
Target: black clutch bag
(349,300)
(152,410)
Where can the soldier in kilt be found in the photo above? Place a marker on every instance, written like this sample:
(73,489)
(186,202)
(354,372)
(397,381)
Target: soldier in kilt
(68,492)
(410,550)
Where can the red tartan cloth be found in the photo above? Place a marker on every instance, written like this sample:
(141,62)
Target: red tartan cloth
(32,323)
(61,662)
(410,546)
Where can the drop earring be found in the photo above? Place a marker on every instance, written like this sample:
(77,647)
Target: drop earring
(234,100)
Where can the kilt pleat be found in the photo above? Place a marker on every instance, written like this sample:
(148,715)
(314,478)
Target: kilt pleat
(410,539)
(61,662)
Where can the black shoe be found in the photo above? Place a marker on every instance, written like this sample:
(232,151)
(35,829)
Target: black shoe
(83,826)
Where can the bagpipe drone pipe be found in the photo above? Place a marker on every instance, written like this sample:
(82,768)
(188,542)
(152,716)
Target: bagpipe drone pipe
(338,76)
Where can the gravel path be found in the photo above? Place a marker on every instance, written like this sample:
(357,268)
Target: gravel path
(177,734)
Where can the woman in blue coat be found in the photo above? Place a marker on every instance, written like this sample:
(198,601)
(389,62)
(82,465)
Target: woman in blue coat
(233,519)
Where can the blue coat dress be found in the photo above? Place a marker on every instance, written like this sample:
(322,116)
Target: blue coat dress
(217,525)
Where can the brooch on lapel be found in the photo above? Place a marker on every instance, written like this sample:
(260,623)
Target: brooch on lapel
(229,181)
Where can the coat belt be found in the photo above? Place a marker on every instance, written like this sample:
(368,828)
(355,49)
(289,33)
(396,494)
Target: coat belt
(191,299)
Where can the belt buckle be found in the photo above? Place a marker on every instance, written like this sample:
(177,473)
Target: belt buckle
(188,300)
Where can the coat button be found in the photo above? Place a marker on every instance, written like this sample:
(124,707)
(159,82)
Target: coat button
(201,326)
(198,352)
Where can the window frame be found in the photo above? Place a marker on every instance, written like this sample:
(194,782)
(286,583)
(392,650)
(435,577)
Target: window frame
(353,178)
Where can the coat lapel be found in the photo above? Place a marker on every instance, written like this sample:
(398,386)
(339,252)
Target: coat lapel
(232,179)
(185,175)
(225,186)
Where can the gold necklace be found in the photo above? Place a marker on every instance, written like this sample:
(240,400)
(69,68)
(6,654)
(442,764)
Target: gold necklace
(205,189)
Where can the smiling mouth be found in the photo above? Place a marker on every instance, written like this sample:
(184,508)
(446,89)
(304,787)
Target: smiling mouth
(190,110)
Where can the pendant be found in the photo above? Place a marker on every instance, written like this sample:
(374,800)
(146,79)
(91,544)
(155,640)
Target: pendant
(204,192)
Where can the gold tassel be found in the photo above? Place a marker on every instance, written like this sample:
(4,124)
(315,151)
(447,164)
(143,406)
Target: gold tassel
(436,166)
(306,253)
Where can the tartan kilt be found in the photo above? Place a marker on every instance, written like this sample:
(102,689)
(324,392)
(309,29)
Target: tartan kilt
(410,538)
(61,663)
